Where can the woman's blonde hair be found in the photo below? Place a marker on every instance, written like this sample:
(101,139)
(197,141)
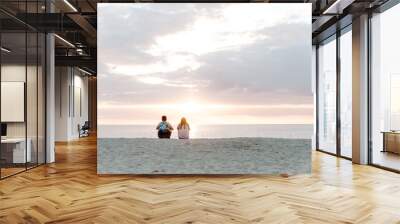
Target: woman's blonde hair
(183,122)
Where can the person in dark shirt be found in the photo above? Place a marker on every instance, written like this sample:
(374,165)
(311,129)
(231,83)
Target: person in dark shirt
(164,128)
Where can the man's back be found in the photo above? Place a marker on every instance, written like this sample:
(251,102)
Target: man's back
(164,129)
(164,126)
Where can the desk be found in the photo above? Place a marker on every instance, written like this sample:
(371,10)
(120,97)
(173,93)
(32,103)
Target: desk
(15,148)
(391,141)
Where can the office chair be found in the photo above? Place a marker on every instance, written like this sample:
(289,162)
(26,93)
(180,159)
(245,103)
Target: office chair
(84,130)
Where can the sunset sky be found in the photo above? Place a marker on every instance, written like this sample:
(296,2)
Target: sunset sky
(211,63)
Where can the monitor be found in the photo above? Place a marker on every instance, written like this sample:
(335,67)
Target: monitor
(3,129)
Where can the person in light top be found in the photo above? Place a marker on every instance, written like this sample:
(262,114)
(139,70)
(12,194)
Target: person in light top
(183,129)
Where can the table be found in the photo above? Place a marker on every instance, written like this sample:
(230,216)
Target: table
(391,141)
(13,150)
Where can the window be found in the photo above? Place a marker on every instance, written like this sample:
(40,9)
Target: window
(327,95)
(394,102)
(385,89)
(346,93)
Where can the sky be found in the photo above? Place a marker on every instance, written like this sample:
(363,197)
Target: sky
(211,63)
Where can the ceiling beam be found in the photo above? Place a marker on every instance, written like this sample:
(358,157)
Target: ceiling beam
(338,6)
(84,24)
(79,61)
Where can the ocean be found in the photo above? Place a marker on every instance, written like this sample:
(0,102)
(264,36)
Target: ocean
(290,131)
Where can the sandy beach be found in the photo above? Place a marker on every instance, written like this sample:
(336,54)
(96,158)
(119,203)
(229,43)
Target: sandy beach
(204,156)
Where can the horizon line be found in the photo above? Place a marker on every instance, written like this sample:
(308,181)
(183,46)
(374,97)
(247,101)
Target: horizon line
(214,124)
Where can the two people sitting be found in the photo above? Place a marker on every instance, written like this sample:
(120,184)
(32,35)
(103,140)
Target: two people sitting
(165,128)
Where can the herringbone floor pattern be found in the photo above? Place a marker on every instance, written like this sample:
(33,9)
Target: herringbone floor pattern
(69,191)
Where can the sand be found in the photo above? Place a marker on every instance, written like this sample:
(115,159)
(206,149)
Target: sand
(204,156)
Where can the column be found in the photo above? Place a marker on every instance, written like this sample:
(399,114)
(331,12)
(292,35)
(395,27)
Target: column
(360,90)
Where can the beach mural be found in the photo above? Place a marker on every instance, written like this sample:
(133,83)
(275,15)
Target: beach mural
(204,88)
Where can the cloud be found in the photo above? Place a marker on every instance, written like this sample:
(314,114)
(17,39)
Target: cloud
(169,63)
(123,37)
(257,54)
(159,81)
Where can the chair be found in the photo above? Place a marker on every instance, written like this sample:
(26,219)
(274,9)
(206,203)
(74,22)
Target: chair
(84,130)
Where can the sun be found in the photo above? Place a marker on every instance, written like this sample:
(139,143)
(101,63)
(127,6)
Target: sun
(190,106)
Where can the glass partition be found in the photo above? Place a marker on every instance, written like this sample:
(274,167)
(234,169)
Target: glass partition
(32,110)
(13,90)
(22,66)
(327,95)
(31,99)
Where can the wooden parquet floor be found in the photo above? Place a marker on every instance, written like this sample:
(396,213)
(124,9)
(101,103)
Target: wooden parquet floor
(70,191)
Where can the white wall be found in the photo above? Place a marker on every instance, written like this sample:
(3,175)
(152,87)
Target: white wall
(79,112)
(62,82)
(82,82)
(12,73)
(70,83)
